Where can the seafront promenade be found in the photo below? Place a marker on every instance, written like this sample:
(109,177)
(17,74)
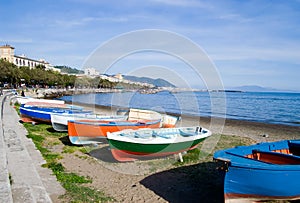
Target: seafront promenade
(22,178)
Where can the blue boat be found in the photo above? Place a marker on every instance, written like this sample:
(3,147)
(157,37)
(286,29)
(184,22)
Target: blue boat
(264,171)
(43,113)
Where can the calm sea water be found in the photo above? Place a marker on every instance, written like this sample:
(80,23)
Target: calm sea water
(278,108)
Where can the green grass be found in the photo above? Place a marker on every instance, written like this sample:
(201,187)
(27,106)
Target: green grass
(223,141)
(44,137)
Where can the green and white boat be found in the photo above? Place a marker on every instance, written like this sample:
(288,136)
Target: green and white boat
(129,145)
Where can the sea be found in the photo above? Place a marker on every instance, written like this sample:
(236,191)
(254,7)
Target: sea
(265,107)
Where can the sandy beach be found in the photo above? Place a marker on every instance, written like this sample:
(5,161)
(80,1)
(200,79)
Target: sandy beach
(158,180)
(163,180)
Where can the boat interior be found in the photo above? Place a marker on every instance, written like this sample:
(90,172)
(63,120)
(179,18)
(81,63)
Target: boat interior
(288,156)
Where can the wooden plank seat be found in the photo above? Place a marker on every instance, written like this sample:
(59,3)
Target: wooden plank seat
(275,157)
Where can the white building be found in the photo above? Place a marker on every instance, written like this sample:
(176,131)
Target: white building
(91,72)
(7,52)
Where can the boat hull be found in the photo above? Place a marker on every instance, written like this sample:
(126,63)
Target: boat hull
(35,115)
(60,121)
(91,130)
(126,151)
(260,184)
(167,121)
(43,115)
(265,171)
(129,145)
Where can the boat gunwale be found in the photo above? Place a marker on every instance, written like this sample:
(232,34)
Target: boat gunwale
(232,159)
(115,123)
(156,140)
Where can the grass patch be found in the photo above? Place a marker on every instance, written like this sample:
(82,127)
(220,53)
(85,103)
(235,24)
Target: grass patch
(197,155)
(69,149)
(44,137)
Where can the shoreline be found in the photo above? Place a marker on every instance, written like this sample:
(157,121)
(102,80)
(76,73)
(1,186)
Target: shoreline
(58,93)
(258,131)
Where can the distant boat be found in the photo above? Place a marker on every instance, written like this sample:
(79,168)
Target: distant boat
(93,131)
(129,145)
(60,120)
(265,171)
(42,113)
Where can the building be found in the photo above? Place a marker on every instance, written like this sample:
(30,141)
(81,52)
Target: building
(91,72)
(7,52)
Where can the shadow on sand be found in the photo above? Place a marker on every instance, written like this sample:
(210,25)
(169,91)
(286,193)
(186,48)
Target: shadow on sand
(195,183)
(103,154)
(65,140)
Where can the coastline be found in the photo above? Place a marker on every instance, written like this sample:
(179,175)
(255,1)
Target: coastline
(258,131)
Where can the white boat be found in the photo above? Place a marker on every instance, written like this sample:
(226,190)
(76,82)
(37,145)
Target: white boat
(167,121)
(24,100)
(60,121)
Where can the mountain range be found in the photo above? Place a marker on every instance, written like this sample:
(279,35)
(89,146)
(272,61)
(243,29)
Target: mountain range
(256,88)
(157,82)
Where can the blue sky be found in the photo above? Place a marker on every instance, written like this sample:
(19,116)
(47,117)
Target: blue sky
(251,42)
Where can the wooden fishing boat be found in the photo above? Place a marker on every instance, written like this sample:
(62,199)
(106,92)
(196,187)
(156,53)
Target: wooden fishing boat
(93,131)
(24,100)
(41,104)
(43,114)
(167,121)
(264,171)
(60,120)
(129,145)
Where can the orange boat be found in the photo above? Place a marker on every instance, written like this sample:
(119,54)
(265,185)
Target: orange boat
(91,131)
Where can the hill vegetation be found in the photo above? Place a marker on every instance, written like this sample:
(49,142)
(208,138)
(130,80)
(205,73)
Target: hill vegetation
(69,70)
(12,76)
(156,82)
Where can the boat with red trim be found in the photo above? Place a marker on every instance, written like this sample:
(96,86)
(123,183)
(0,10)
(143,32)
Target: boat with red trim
(42,111)
(129,145)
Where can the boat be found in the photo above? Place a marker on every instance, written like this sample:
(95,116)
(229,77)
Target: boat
(41,104)
(42,113)
(24,100)
(129,145)
(167,121)
(264,171)
(59,121)
(93,131)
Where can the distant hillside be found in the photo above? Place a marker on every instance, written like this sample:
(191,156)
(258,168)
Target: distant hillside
(157,82)
(66,69)
(255,88)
